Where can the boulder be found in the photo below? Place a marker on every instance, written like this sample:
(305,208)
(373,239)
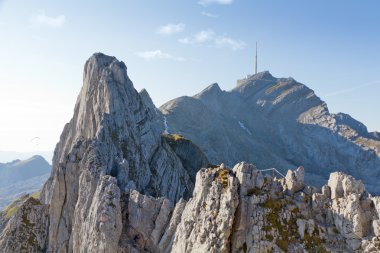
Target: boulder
(295,179)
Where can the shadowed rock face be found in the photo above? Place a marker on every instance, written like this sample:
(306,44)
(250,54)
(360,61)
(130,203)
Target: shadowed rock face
(276,122)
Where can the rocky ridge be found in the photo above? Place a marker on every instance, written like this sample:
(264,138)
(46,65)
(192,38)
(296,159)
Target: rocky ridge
(119,184)
(232,210)
(276,123)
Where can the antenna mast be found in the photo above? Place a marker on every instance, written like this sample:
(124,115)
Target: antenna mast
(256,60)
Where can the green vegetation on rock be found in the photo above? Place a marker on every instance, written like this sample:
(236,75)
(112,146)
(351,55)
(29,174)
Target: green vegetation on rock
(36,195)
(174,137)
(13,207)
(223,177)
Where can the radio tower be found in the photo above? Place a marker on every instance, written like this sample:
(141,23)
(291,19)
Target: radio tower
(256,60)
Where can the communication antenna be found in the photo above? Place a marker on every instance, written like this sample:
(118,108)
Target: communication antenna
(256,60)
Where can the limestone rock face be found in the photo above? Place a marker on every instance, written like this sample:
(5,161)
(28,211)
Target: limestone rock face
(146,220)
(343,185)
(276,123)
(206,222)
(268,217)
(98,224)
(111,146)
(295,179)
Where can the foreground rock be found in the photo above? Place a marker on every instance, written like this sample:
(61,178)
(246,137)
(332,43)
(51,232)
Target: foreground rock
(27,230)
(238,210)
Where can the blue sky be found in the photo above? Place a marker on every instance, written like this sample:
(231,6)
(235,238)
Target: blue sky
(175,48)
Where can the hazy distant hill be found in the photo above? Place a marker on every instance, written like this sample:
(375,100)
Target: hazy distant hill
(6,156)
(20,177)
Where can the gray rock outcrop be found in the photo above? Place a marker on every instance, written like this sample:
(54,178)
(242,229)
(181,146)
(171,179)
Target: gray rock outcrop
(27,230)
(207,219)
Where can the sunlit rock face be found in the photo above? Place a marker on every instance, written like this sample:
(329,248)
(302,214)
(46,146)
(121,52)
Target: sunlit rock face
(121,183)
(276,122)
(112,145)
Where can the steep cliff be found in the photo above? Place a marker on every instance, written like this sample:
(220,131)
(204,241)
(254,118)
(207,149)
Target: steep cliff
(112,144)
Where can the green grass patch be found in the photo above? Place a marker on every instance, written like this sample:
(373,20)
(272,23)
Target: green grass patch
(9,211)
(36,195)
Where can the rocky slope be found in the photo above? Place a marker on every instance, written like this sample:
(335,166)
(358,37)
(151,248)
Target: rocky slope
(276,122)
(121,184)
(27,230)
(21,177)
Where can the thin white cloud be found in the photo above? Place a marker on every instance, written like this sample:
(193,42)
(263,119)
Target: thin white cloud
(224,41)
(209,38)
(170,29)
(157,55)
(208,14)
(42,19)
(351,89)
(207,2)
(204,36)
(199,38)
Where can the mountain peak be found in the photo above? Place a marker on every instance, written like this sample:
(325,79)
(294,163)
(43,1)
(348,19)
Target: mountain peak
(259,77)
(214,86)
(263,75)
(105,87)
(111,146)
(211,90)
(147,99)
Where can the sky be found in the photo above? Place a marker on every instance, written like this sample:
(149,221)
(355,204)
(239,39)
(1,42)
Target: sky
(176,48)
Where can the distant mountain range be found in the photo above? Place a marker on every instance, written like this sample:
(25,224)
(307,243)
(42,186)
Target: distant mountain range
(7,156)
(276,122)
(22,176)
